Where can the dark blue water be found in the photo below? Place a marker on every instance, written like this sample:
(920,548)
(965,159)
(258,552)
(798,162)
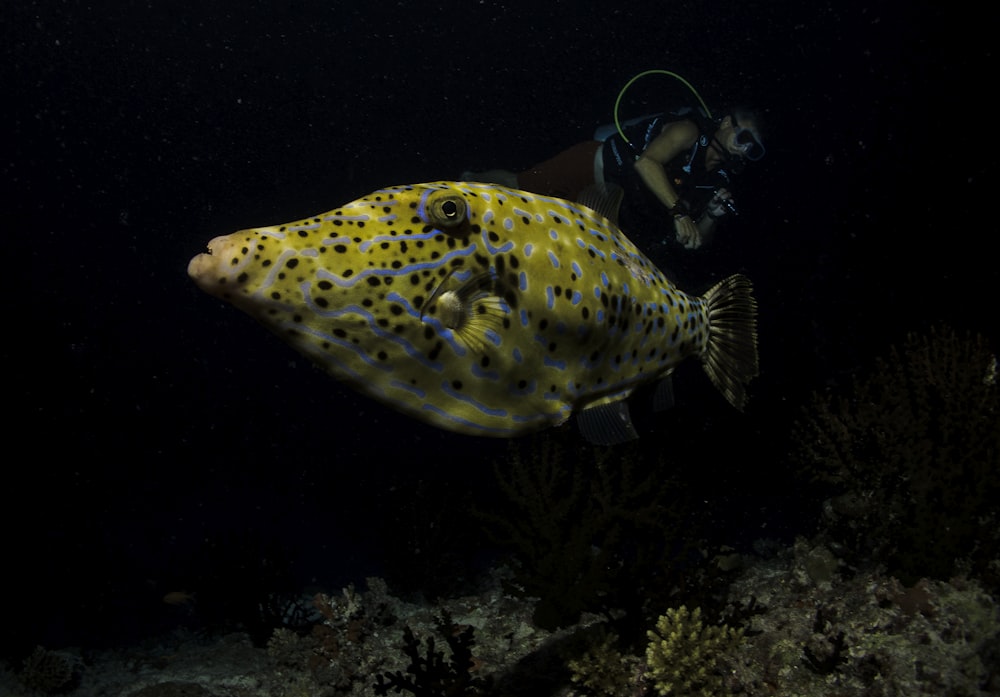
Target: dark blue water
(159,441)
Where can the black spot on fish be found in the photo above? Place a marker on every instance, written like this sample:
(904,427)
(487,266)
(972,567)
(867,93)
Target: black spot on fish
(428,332)
(325,285)
(514,263)
(340,333)
(436,351)
(373,281)
(303,233)
(543,324)
(340,248)
(292,263)
(395,309)
(297,319)
(367,302)
(457,384)
(275,295)
(382,355)
(322,302)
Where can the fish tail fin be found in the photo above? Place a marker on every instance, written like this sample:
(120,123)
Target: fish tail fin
(731,356)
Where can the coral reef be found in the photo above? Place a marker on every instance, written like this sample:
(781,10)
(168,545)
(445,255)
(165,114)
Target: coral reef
(815,630)
(684,655)
(590,529)
(914,455)
(50,671)
(430,674)
(863,633)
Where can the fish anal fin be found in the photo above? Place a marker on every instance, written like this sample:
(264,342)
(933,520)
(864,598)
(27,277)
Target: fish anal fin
(608,423)
(663,397)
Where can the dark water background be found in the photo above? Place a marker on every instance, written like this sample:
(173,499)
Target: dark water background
(159,441)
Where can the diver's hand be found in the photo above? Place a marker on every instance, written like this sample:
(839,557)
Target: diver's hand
(721,204)
(687,232)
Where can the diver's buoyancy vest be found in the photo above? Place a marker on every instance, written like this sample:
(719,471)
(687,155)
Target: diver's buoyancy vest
(687,172)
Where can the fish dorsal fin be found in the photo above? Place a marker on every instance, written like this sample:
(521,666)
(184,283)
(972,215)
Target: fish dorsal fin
(607,424)
(603,198)
(471,310)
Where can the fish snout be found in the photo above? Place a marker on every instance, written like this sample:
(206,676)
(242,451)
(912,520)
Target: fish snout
(207,268)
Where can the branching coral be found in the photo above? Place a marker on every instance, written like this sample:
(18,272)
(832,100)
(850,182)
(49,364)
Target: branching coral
(684,656)
(603,669)
(584,524)
(430,674)
(915,450)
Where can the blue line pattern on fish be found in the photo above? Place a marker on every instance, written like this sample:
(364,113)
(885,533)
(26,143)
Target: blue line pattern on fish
(481,309)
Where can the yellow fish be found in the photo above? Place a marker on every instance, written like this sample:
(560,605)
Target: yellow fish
(482,309)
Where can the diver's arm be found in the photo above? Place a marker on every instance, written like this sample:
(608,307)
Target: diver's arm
(675,138)
(706,231)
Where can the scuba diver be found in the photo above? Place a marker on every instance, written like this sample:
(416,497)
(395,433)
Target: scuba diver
(676,166)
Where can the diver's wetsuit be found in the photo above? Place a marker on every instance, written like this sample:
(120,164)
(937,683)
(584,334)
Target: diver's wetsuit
(644,213)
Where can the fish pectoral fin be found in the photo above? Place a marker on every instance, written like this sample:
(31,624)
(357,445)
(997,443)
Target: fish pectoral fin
(607,423)
(471,309)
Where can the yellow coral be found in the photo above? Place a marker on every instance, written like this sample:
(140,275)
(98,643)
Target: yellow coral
(684,656)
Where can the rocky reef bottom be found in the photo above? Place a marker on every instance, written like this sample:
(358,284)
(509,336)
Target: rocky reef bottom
(808,627)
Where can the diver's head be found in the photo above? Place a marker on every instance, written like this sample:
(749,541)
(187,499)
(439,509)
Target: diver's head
(740,134)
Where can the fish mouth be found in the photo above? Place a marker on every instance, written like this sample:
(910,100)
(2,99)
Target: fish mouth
(205,268)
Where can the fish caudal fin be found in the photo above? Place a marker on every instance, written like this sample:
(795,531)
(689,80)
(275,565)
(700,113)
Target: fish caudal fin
(731,356)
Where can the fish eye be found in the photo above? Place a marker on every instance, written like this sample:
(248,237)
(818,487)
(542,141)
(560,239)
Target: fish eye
(448,211)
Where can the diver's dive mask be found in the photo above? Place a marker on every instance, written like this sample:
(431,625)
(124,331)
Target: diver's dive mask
(747,141)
